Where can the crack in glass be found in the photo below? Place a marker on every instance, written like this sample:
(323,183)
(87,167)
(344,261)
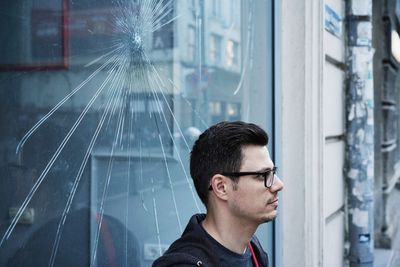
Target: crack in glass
(135,102)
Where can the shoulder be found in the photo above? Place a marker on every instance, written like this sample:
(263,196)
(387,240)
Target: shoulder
(189,250)
(180,259)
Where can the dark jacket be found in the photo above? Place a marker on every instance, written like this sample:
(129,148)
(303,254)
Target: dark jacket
(194,248)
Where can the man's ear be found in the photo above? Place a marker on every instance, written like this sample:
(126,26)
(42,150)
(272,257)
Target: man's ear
(219,185)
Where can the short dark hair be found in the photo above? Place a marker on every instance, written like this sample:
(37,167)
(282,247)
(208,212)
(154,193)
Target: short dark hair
(219,149)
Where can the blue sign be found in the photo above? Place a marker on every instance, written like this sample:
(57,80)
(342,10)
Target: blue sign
(333,21)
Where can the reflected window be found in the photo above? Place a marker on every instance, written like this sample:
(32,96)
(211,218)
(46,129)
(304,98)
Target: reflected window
(215,49)
(232,53)
(232,111)
(192,8)
(216,8)
(191,46)
(215,108)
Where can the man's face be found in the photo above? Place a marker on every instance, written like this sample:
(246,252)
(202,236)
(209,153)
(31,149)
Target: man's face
(251,201)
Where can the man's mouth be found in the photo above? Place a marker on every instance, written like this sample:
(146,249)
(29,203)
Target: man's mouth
(275,200)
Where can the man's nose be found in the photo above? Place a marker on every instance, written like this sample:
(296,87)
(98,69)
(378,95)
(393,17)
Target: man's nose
(278,185)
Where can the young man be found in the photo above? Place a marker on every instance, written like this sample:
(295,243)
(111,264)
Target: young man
(235,178)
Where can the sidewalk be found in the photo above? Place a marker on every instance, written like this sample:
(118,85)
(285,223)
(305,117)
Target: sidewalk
(390,257)
(386,258)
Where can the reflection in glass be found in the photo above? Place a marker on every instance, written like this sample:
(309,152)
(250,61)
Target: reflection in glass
(94,154)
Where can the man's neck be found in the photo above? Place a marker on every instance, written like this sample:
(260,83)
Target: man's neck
(229,232)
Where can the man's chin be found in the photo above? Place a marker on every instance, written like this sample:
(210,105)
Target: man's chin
(269,219)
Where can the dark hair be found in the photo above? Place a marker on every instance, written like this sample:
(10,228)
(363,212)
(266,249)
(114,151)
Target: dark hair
(219,149)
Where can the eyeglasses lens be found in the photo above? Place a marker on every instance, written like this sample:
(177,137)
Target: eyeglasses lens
(269,178)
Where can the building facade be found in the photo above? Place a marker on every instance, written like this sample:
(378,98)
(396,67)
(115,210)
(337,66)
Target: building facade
(316,73)
(100,102)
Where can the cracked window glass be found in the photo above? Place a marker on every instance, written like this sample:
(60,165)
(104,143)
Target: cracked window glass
(101,102)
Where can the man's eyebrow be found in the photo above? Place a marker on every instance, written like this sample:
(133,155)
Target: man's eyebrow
(266,169)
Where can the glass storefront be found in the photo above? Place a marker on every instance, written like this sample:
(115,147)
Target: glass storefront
(100,103)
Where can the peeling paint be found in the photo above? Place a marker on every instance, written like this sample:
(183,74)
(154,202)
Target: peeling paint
(360,218)
(361,7)
(360,110)
(360,131)
(360,134)
(353,173)
(364,33)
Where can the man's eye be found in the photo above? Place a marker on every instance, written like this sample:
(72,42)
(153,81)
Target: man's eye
(260,176)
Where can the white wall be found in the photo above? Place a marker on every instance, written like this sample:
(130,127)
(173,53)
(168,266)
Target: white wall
(301,140)
(311,126)
(334,112)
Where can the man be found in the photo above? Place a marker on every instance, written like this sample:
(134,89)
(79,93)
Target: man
(235,178)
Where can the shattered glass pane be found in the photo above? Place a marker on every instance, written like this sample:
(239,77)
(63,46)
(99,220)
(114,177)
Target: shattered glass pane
(101,102)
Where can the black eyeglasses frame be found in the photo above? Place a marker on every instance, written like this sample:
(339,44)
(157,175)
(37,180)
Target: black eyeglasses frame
(265,174)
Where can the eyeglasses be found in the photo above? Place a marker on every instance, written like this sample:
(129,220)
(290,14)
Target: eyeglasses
(268,175)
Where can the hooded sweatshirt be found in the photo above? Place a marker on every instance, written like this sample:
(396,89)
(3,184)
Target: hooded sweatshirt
(194,248)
